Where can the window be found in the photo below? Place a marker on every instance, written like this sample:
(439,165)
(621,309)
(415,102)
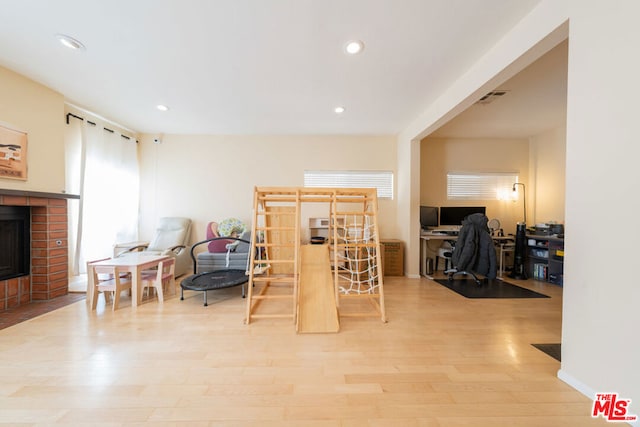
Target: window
(480,186)
(381,180)
(94,152)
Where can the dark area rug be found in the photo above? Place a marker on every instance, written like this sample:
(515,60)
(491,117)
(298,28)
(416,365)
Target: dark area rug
(495,288)
(552,350)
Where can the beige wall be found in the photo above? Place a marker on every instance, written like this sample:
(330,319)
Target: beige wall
(39,111)
(440,156)
(547,176)
(208,178)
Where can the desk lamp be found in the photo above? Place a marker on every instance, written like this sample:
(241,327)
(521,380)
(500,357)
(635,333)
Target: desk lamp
(524,198)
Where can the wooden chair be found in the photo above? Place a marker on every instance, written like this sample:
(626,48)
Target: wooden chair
(112,281)
(157,279)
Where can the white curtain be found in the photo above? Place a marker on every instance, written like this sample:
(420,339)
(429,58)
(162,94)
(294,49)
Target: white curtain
(103,169)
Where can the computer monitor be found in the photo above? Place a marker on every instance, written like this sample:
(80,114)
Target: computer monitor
(453,215)
(428,217)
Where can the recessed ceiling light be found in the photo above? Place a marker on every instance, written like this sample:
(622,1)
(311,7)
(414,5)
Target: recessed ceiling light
(354,47)
(339,110)
(162,107)
(69,42)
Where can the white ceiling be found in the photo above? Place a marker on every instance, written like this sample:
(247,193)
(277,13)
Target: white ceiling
(535,101)
(256,66)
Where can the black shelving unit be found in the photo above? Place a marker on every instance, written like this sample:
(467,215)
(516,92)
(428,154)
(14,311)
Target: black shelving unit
(544,258)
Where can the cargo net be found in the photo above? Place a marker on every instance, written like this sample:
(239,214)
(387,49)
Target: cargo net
(358,271)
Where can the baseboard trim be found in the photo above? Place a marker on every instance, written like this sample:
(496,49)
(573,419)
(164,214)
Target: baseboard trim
(578,385)
(584,389)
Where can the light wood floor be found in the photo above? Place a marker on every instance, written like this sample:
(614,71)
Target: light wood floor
(441,360)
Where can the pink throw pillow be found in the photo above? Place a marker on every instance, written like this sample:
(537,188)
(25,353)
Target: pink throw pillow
(217,246)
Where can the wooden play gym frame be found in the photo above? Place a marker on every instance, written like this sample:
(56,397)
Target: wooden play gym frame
(316,279)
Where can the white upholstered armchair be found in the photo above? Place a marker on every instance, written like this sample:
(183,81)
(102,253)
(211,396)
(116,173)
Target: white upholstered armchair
(172,238)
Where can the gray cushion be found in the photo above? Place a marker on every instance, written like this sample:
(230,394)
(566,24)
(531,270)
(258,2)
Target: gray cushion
(238,258)
(242,246)
(217,261)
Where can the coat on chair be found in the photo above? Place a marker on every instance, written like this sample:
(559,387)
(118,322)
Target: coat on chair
(474,249)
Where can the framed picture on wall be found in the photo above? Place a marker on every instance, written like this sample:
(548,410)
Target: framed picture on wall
(13,153)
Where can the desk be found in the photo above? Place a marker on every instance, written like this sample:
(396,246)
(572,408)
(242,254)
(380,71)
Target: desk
(503,243)
(133,263)
(425,238)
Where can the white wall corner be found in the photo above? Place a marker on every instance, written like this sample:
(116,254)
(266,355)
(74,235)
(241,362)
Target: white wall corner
(408,218)
(588,391)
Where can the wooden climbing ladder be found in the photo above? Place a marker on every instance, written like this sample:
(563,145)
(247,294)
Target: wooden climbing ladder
(276,236)
(351,271)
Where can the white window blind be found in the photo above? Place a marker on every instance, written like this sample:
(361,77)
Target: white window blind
(381,180)
(480,186)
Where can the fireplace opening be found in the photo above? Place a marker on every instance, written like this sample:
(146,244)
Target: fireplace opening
(15,238)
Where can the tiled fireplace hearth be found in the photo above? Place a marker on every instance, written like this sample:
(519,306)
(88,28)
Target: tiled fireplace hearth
(49,276)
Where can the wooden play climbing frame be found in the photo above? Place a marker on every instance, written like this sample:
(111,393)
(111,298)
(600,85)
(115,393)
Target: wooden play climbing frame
(287,280)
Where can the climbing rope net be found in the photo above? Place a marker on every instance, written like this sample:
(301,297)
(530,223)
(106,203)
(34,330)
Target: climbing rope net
(357,265)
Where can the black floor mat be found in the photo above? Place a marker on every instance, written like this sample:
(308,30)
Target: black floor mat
(488,289)
(552,350)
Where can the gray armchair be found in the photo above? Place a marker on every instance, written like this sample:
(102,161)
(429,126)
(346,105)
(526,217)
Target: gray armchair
(172,238)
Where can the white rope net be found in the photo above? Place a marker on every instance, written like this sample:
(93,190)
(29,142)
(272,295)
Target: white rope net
(358,271)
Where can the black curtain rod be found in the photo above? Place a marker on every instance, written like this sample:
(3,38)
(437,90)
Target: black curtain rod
(93,124)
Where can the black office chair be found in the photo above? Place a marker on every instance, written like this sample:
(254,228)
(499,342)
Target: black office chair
(474,252)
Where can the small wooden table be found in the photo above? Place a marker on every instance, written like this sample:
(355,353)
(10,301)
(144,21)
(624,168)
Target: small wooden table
(133,263)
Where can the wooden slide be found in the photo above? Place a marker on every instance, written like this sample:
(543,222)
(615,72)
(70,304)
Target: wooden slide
(317,311)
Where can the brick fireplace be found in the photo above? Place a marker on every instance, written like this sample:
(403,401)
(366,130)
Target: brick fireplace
(49,277)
